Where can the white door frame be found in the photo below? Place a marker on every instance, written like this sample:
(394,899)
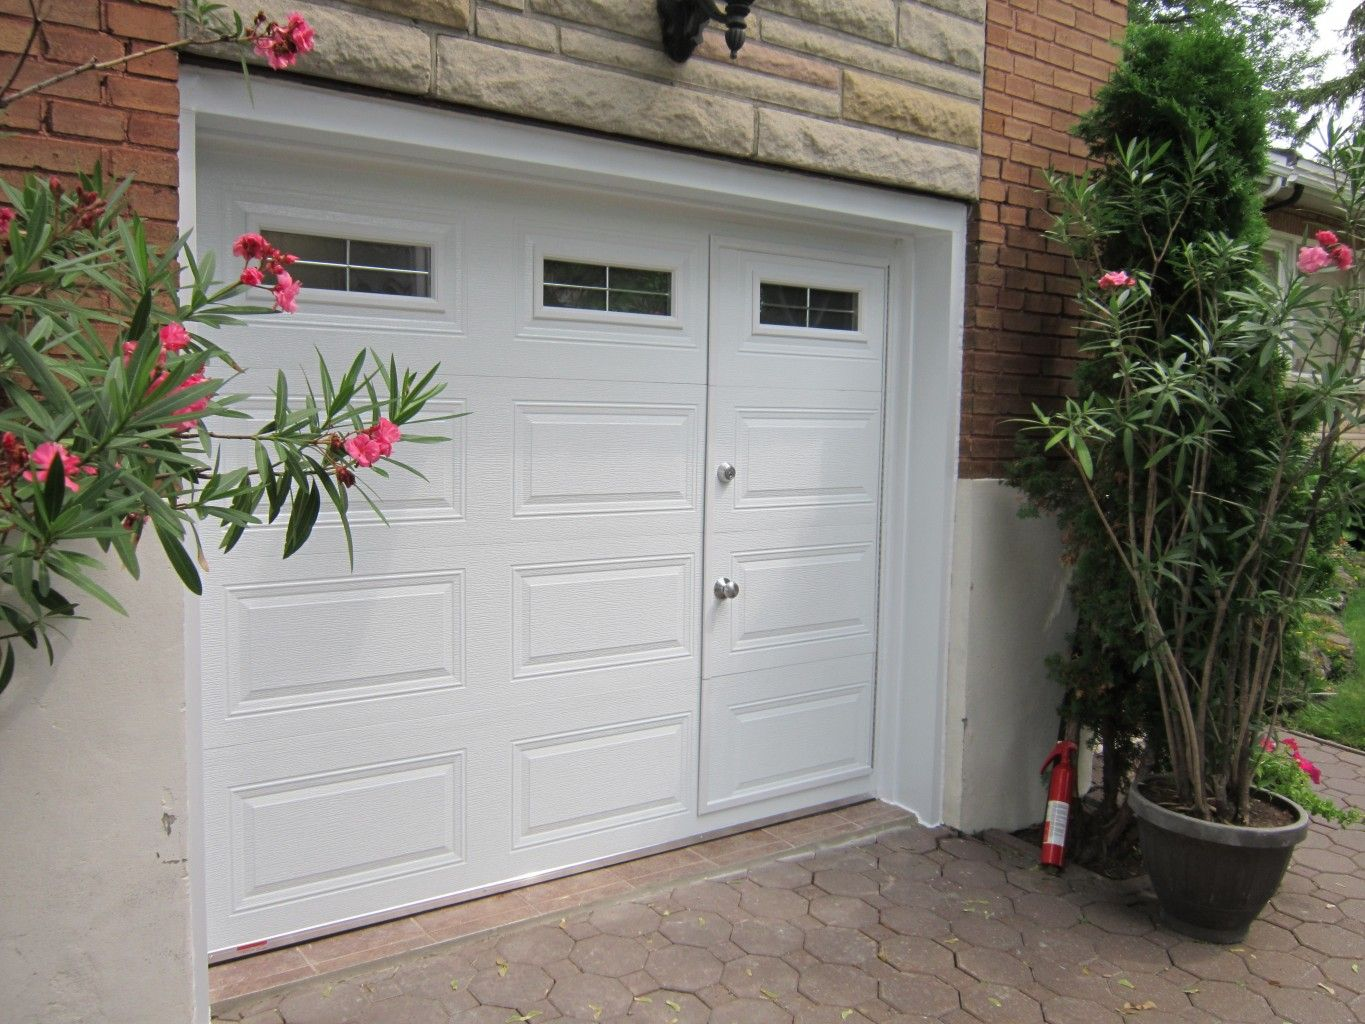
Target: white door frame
(923,365)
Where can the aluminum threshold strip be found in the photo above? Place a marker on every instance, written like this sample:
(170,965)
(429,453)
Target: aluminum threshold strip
(349,924)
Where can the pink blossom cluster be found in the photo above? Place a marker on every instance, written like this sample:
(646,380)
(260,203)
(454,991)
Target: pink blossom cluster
(1292,745)
(254,247)
(174,339)
(369,446)
(6,217)
(1327,253)
(44,456)
(281,45)
(1116,279)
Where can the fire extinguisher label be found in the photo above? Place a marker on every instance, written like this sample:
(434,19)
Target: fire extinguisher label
(1054,826)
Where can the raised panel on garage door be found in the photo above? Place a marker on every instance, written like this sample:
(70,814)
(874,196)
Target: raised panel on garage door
(456,710)
(793,490)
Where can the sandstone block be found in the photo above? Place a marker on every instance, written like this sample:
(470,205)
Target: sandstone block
(639,18)
(974,9)
(564,92)
(881,59)
(797,141)
(449,13)
(354,47)
(725,78)
(871,19)
(939,36)
(517,29)
(906,108)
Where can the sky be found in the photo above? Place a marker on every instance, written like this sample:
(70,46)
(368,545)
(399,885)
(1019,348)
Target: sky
(1330,28)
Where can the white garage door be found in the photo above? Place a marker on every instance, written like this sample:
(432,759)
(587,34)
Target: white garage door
(530,668)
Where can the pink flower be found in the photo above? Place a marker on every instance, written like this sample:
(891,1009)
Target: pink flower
(281,45)
(250,246)
(1116,279)
(174,338)
(251,277)
(386,433)
(286,293)
(192,410)
(365,449)
(1267,744)
(1291,743)
(6,215)
(1326,239)
(300,33)
(1313,258)
(1312,770)
(47,453)
(1343,257)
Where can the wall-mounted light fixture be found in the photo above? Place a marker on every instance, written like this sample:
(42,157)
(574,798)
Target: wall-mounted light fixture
(684,20)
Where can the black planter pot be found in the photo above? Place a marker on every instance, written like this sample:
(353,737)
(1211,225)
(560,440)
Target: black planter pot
(1212,880)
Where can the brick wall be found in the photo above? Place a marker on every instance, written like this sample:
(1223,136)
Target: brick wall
(127,119)
(1045,59)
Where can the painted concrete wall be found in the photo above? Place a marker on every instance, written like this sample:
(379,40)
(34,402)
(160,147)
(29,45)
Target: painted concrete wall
(1008,610)
(94,892)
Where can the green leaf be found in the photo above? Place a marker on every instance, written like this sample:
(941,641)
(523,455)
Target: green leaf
(180,560)
(302,516)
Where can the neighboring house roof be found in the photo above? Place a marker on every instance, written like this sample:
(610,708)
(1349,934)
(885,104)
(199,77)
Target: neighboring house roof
(1296,181)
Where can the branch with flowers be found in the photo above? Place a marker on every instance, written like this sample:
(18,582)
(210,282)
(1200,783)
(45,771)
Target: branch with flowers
(113,400)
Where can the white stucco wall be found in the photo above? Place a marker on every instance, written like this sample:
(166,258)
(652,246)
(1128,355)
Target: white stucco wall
(1008,611)
(94,893)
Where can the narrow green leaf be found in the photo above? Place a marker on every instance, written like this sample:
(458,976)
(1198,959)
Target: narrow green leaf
(180,560)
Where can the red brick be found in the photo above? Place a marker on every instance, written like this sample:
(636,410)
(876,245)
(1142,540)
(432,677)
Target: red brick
(82,13)
(159,130)
(144,94)
(78,45)
(87,120)
(48,155)
(139,21)
(148,165)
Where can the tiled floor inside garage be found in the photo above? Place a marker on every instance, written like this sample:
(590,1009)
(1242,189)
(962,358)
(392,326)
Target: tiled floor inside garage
(886,922)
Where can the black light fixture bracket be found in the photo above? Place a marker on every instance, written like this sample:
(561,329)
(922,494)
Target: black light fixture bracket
(684,20)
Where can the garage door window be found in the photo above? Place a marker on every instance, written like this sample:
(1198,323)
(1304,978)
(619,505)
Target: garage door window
(355,265)
(787,305)
(573,285)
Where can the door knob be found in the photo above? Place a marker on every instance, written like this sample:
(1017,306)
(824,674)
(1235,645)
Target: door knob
(726,588)
(725,472)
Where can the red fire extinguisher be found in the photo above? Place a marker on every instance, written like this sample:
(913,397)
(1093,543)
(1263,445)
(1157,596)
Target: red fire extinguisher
(1060,792)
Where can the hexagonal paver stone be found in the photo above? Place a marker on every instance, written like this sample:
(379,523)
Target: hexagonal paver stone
(609,955)
(836,985)
(403,1010)
(844,911)
(689,928)
(750,1011)
(542,945)
(1331,940)
(685,968)
(915,955)
(510,985)
(994,966)
(433,978)
(662,1006)
(773,903)
(767,936)
(1230,1002)
(914,921)
(1068,1010)
(626,919)
(1309,1005)
(326,1004)
(1284,969)
(590,997)
(919,995)
(846,883)
(486,1015)
(780,874)
(716,897)
(840,946)
(759,977)
(1000,1004)
(1046,910)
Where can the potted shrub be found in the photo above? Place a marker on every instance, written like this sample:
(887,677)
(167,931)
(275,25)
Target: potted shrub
(1208,456)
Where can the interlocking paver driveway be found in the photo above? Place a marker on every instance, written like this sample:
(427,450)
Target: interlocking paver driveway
(910,925)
